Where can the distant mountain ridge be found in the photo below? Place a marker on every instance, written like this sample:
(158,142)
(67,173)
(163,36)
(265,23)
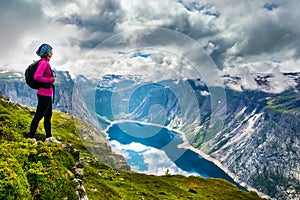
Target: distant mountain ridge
(12,85)
(260,139)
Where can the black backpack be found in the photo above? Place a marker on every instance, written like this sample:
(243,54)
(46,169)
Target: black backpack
(29,73)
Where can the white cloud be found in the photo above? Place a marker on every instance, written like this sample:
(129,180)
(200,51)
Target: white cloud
(234,33)
(157,161)
(148,13)
(280,82)
(134,146)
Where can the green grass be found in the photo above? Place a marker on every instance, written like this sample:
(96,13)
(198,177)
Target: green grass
(30,170)
(286,102)
(111,184)
(41,170)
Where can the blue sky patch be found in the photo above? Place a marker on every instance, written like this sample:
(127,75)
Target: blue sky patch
(206,8)
(216,14)
(195,6)
(120,52)
(140,54)
(270,6)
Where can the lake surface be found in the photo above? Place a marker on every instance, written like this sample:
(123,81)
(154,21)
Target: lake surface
(148,148)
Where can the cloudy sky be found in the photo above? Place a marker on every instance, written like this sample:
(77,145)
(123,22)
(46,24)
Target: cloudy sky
(257,35)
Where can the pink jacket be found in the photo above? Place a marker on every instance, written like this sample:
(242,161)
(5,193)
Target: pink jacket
(44,74)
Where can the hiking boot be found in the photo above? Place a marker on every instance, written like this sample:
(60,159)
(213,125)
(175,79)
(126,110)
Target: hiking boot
(33,140)
(51,139)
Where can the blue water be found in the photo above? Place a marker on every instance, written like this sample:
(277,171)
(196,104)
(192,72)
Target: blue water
(168,141)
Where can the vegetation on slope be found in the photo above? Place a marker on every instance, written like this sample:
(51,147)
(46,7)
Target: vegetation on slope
(288,101)
(30,170)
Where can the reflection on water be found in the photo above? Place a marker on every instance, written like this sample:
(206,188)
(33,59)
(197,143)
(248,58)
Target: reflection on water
(188,161)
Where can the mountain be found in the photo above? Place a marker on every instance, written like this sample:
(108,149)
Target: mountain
(12,85)
(249,127)
(259,141)
(254,134)
(39,170)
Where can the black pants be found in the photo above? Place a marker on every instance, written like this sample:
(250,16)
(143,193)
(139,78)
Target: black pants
(44,109)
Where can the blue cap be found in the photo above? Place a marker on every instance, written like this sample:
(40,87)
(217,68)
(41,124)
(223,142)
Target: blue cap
(43,50)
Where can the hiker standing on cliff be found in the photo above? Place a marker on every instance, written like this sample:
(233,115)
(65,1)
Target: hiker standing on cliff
(44,74)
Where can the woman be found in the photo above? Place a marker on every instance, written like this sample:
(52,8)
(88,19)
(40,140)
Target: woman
(44,74)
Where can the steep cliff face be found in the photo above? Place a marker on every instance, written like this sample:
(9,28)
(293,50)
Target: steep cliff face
(260,145)
(13,86)
(260,139)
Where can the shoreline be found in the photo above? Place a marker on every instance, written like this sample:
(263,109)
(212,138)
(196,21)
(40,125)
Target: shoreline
(227,171)
(188,146)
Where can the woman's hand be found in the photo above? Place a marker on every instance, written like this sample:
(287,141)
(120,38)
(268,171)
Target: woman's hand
(53,79)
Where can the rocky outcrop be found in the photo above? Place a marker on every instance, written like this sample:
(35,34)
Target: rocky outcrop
(77,172)
(97,144)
